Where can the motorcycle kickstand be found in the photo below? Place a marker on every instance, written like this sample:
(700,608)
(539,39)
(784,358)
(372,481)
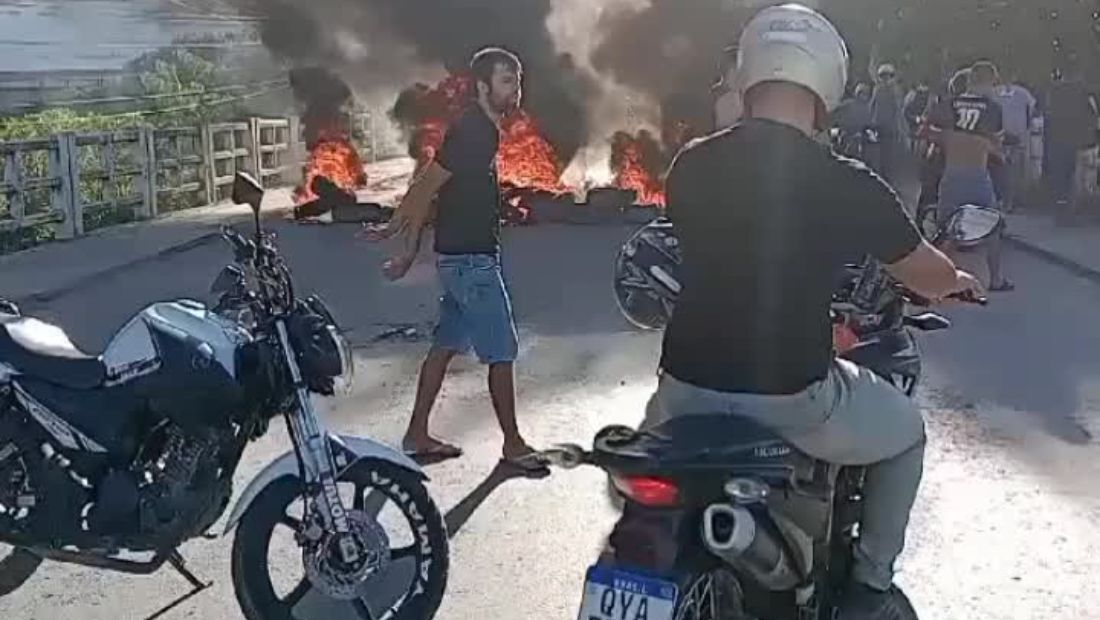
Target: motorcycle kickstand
(177,562)
(180,565)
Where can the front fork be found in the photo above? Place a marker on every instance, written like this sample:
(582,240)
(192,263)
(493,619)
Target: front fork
(315,454)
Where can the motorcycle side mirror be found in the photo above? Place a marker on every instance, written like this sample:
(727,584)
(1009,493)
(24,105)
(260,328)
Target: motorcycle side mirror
(247,190)
(970,224)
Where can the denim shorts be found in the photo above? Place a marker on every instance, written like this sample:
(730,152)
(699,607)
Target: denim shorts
(475,310)
(960,187)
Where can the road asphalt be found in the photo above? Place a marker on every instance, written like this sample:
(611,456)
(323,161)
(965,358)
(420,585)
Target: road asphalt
(1005,526)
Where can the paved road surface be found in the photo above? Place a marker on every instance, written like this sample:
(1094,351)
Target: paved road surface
(1005,528)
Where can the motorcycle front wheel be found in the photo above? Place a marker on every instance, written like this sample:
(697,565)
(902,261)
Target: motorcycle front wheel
(17,565)
(268,568)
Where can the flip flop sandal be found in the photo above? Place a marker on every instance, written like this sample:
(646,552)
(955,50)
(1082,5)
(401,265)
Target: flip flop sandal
(534,462)
(437,453)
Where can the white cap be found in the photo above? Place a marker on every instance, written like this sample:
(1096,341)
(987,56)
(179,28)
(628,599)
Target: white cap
(794,43)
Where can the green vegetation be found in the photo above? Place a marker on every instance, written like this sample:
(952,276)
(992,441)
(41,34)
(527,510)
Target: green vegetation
(171,87)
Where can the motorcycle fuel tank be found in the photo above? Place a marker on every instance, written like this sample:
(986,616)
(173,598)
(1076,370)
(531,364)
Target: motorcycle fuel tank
(132,348)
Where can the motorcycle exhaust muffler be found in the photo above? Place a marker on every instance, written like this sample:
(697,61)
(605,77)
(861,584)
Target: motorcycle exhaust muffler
(733,535)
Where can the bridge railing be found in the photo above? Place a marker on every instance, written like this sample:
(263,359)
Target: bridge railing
(72,183)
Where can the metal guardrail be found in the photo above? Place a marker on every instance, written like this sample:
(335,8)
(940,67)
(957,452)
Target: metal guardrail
(37,186)
(271,144)
(77,182)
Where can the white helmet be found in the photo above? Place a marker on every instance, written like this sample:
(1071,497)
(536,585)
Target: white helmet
(794,43)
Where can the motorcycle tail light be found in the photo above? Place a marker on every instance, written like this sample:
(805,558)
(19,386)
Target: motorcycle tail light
(648,491)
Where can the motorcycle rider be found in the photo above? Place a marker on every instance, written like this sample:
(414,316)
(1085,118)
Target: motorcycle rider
(766,218)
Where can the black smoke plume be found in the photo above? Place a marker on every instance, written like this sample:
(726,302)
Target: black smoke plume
(324,98)
(670,49)
(382,39)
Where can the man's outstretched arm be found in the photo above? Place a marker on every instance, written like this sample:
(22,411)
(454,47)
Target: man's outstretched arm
(412,215)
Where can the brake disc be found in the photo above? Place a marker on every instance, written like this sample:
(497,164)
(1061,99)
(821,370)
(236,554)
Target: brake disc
(326,569)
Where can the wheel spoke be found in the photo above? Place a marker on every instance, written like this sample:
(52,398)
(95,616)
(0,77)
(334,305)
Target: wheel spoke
(361,609)
(371,502)
(291,600)
(359,498)
(293,523)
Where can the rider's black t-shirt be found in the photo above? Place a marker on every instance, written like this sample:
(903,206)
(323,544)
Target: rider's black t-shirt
(468,220)
(969,113)
(766,219)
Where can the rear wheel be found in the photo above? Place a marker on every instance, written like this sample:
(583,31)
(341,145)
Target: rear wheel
(715,595)
(17,565)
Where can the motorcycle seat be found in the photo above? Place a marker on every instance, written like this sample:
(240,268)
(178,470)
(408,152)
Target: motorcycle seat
(699,442)
(44,351)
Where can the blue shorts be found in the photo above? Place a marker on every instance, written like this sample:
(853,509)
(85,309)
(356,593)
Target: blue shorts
(961,186)
(475,310)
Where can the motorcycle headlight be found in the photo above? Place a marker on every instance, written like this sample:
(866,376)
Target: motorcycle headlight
(324,355)
(343,382)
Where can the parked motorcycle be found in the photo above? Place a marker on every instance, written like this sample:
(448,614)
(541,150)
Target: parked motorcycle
(722,518)
(114,461)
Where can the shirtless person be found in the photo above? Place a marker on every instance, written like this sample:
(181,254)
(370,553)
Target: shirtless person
(970,131)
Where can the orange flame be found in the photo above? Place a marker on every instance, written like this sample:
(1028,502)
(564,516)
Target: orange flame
(525,158)
(634,161)
(333,157)
(435,109)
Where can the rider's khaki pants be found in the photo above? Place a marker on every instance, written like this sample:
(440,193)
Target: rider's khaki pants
(853,417)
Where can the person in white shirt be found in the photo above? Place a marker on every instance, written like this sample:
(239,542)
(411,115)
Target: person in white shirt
(1018,106)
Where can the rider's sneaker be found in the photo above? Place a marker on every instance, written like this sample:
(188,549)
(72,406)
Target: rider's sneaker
(861,602)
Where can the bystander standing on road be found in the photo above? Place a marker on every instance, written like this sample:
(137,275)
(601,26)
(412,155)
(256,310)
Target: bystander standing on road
(886,117)
(1018,107)
(1071,124)
(475,309)
(914,109)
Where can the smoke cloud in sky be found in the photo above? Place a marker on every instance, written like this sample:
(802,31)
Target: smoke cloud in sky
(592,66)
(393,42)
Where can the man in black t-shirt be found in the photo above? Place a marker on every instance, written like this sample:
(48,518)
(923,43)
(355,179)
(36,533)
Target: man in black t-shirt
(766,219)
(475,309)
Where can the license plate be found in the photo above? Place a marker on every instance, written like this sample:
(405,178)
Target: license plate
(613,594)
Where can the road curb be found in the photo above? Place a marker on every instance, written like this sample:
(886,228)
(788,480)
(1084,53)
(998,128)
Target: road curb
(1079,269)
